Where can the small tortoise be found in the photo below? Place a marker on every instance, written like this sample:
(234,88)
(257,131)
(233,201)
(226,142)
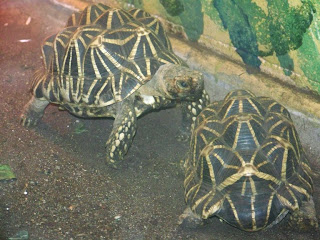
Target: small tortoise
(246,166)
(109,62)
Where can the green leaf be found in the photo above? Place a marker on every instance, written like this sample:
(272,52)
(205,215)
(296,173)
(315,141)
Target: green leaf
(80,128)
(6,173)
(22,235)
(192,19)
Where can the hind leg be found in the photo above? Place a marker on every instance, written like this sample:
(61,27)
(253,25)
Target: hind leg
(305,218)
(33,111)
(190,111)
(189,220)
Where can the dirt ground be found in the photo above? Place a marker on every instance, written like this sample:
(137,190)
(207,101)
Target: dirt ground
(64,189)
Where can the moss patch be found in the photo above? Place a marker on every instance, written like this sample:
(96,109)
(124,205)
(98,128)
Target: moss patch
(136,3)
(287,63)
(192,19)
(309,59)
(241,34)
(257,19)
(173,7)
(288,24)
(210,11)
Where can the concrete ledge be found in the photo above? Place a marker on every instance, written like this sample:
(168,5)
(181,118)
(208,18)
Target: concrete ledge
(223,71)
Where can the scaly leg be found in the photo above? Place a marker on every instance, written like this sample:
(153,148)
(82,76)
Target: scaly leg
(305,218)
(124,129)
(189,220)
(190,111)
(33,111)
(144,104)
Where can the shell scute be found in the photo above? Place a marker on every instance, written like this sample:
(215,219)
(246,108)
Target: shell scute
(103,56)
(253,169)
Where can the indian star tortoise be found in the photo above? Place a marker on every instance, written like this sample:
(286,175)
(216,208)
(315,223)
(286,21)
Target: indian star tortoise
(108,62)
(246,165)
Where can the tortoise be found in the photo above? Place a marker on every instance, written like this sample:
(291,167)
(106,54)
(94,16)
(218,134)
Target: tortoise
(246,166)
(108,62)
(93,13)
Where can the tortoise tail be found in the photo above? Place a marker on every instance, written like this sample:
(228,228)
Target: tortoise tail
(38,77)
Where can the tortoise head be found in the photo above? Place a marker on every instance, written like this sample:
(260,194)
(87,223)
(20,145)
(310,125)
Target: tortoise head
(179,82)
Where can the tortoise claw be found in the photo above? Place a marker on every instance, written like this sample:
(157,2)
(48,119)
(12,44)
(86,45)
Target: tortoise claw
(304,219)
(29,120)
(33,111)
(189,220)
(183,135)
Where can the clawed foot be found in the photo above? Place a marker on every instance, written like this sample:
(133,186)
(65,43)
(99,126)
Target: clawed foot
(33,112)
(30,119)
(304,220)
(115,153)
(183,135)
(115,164)
(189,220)
(303,223)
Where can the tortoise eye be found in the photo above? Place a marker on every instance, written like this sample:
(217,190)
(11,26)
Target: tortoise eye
(182,84)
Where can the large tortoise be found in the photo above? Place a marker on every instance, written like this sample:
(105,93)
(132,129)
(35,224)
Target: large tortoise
(246,166)
(109,62)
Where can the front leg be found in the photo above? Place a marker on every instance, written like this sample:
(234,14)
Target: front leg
(123,131)
(144,103)
(190,111)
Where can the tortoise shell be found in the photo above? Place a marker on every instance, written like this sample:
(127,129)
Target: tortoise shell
(103,56)
(246,164)
(103,15)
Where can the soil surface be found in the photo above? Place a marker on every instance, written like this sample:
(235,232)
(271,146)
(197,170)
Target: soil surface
(64,189)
